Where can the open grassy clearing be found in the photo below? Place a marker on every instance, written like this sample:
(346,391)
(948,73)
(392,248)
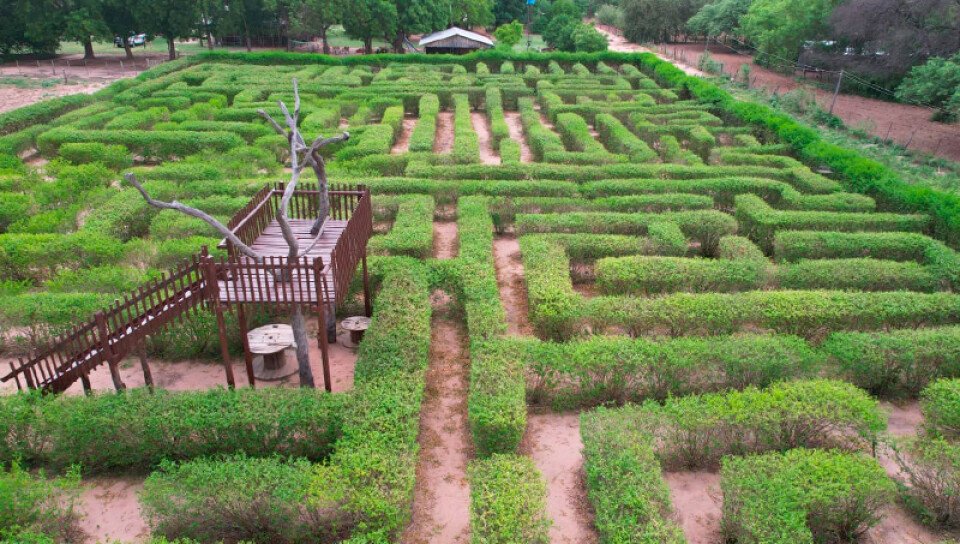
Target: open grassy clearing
(612,305)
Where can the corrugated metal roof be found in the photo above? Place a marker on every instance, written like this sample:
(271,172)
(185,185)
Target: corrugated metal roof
(455,31)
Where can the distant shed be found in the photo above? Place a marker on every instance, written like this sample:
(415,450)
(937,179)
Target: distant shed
(455,40)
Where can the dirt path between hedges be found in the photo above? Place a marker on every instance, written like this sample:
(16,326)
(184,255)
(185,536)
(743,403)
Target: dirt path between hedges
(481,125)
(441,501)
(551,439)
(402,144)
(111,509)
(516,133)
(697,504)
(443,138)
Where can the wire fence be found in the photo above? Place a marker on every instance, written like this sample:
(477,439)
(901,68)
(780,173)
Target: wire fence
(79,68)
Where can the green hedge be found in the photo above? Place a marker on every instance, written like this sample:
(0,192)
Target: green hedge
(139,429)
(857,274)
(35,509)
(424,133)
(893,246)
(508,501)
(41,112)
(466,145)
(39,256)
(618,139)
(644,275)
(897,363)
(412,231)
(940,403)
(802,496)
(624,481)
(172,143)
(115,157)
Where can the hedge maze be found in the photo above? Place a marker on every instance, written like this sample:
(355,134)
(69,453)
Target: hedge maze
(709,284)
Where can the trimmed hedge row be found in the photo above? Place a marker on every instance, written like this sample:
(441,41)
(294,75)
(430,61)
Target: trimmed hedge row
(542,143)
(139,429)
(618,139)
(466,144)
(644,275)
(508,501)
(802,496)
(940,403)
(173,143)
(412,231)
(424,133)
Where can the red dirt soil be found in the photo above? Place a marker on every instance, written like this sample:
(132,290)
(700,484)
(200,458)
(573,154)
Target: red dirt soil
(111,509)
(403,140)
(12,97)
(513,287)
(443,139)
(553,442)
(901,123)
(516,133)
(199,375)
(697,504)
(482,127)
(441,500)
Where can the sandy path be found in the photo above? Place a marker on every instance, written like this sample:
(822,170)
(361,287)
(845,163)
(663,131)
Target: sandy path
(513,287)
(111,509)
(445,241)
(553,442)
(441,501)
(698,504)
(621,44)
(481,125)
(12,97)
(402,144)
(197,375)
(516,133)
(443,140)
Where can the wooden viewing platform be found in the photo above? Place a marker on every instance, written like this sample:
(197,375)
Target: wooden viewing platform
(318,280)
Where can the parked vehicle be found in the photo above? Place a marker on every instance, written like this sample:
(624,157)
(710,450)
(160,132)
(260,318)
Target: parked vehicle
(134,40)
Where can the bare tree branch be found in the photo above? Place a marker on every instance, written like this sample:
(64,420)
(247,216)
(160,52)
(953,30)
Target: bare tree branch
(193,212)
(276,125)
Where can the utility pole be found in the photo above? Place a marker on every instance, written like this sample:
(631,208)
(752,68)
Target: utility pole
(836,91)
(530,4)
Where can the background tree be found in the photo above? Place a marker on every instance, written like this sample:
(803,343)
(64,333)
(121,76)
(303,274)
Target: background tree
(720,17)
(419,16)
(587,39)
(83,22)
(120,19)
(30,25)
(610,15)
(656,20)
(471,13)
(936,83)
(171,19)
(779,28)
(508,35)
(317,16)
(559,32)
(505,11)
(367,20)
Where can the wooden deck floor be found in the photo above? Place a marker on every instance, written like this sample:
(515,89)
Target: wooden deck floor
(261,285)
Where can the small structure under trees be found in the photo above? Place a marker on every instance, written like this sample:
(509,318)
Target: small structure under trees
(455,40)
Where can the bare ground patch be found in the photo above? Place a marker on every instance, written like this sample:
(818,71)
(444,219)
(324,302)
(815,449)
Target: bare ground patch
(403,141)
(513,287)
(481,126)
(443,140)
(516,133)
(697,504)
(111,509)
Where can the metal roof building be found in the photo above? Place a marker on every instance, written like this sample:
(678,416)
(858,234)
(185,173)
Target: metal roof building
(454,40)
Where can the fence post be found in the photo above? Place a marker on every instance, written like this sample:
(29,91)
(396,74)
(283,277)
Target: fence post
(322,323)
(107,349)
(213,293)
(910,141)
(836,91)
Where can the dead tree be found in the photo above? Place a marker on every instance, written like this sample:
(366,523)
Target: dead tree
(312,158)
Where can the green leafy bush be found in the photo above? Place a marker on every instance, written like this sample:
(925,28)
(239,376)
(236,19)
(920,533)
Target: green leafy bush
(802,496)
(508,501)
(643,275)
(34,508)
(422,137)
(940,403)
(412,231)
(115,157)
(930,478)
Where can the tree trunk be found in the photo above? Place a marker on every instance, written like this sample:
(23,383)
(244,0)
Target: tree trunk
(323,38)
(246,38)
(88,49)
(398,42)
(368,46)
(303,347)
(171,48)
(209,39)
(127,49)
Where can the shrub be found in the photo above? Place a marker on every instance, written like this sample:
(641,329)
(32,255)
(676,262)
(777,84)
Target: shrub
(618,139)
(466,146)
(422,137)
(508,500)
(575,134)
(893,246)
(40,256)
(624,482)
(897,363)
(212,500)
(641,275)
(412,232)
(106,279)
(115,157)
(857,274)
(930,479)
(940,403)
(165,143)
(802,496)
(138,430)
(14,207)
(34,508)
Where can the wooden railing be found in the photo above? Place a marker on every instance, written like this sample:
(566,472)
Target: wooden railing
(120,329)
(114,332)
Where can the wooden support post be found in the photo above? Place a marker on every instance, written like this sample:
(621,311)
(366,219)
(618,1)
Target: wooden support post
(367,305)
(107,349)
(324,347)
(142,354)
(247,356)
(85,380)
(213,294)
